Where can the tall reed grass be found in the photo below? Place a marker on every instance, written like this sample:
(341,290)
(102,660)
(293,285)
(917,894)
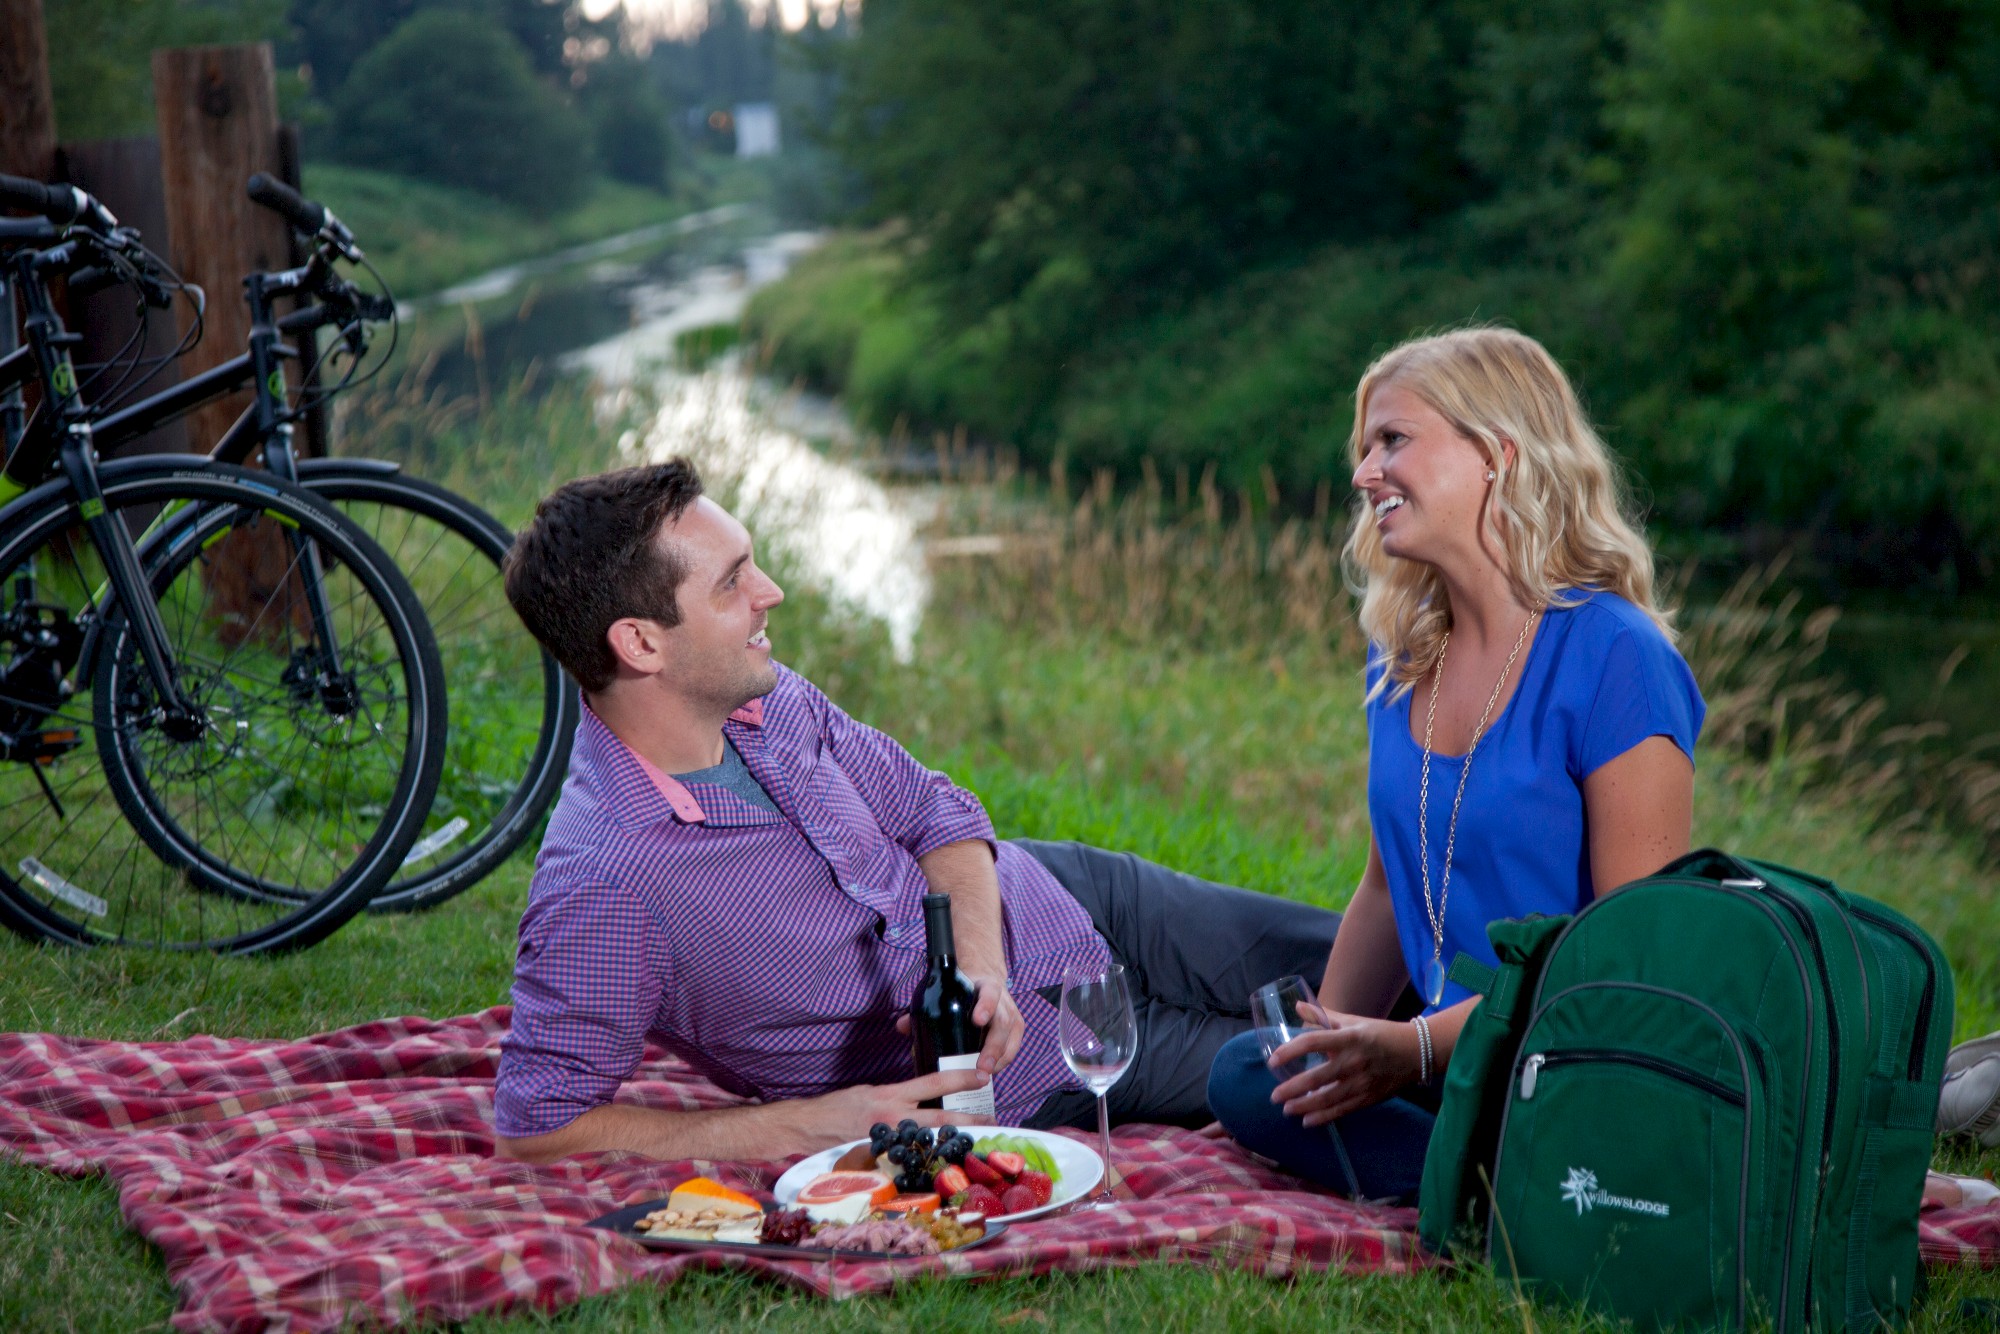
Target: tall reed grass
(1185,562)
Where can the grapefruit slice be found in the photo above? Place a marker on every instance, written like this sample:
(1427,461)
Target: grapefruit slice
(921,1203)
(831,1186)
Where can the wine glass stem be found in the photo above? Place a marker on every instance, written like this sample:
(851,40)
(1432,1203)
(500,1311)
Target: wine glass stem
(1104,1134)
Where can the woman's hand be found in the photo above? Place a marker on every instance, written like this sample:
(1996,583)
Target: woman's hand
(1366,1060)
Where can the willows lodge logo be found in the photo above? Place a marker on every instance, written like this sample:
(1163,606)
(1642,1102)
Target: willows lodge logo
(1581,1189)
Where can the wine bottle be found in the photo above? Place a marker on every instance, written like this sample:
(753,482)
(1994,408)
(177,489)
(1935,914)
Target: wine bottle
(941,1024)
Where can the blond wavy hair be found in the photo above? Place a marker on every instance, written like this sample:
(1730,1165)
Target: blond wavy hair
(1561,510)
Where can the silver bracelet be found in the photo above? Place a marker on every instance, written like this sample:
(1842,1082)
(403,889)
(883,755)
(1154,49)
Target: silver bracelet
(1423,1049)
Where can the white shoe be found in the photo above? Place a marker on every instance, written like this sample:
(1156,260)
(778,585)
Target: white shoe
(1968,1054)
(1969,1102)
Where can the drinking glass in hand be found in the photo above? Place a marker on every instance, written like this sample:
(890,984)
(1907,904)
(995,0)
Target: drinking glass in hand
(1276,1010)
(1099,1037)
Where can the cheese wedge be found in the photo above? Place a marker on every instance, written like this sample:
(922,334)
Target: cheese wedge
(704,1196)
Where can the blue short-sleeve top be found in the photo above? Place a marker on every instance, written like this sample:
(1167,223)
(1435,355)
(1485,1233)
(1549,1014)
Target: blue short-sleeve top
(1599,678)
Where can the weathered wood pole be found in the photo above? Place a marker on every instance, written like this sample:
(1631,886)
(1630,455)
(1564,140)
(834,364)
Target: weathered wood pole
(218,115)
(27,108)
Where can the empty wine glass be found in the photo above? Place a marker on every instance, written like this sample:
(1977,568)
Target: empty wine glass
(1281,1011)
(1099,1037)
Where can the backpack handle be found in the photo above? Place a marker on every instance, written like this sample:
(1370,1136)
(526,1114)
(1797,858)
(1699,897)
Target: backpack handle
(1473,975)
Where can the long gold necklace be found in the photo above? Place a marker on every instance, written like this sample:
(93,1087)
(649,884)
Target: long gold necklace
(1431,984)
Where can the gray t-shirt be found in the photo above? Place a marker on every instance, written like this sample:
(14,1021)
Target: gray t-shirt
(735,775)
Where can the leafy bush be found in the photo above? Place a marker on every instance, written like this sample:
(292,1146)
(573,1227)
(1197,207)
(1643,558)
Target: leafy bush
(450,97)
(628,122)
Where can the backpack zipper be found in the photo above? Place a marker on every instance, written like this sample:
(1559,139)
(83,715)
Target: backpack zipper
(1926,999)
(1753,886)
(1532,1068)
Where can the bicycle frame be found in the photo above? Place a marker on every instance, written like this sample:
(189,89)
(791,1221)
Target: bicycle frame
(75,457)
(72,443)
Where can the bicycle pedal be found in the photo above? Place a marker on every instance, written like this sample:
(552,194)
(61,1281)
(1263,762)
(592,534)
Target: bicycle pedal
(45,747)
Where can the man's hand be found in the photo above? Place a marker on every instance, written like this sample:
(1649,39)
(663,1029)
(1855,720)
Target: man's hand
(835,1118)
(760,1132)
(1002,1019)
(996,1012)
(1366,1060)
(965,871)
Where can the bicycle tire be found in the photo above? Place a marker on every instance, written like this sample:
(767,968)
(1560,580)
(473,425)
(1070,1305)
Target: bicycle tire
(137,861)
(500,777)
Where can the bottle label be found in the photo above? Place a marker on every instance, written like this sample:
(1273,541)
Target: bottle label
(972,1102)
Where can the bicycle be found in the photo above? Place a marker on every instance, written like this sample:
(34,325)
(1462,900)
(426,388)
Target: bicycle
(221,711)
(512,712)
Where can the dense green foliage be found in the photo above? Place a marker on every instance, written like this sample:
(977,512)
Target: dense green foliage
(332,36)
(448,97)
(1761,236)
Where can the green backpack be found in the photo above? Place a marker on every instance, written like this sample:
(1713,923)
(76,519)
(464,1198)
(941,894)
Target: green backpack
(1705,1100)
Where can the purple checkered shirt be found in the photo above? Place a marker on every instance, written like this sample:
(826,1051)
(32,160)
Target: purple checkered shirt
(772,952)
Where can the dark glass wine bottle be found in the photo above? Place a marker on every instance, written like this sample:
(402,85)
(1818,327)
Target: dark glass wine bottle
(941,1024)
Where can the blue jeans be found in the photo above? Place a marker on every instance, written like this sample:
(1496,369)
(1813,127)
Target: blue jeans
(1375,1153)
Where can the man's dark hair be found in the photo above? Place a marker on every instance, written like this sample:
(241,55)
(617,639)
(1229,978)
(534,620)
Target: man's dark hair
(588,559)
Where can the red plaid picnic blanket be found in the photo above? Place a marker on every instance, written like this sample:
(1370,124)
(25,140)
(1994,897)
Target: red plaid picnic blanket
(349,1177)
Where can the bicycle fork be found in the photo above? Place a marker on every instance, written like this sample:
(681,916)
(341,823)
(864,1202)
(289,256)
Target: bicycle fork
(180,717)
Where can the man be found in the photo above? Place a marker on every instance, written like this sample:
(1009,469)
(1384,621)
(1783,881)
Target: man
(736,868)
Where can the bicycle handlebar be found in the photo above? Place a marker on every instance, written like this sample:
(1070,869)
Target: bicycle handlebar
(60,204)
(288,203)
(309,216)
(57,203)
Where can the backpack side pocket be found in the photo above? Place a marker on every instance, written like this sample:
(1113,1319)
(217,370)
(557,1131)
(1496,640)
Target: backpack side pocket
(1458,1165)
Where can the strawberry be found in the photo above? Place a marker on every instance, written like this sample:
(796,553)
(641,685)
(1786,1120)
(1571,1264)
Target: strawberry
(1009,1165)
(980,1174)
(1038,1182)
(1017,1199)
(981,1200)
(950,1181)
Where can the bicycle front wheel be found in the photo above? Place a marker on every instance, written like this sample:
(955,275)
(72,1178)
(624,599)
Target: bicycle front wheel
(319,735)
(513,712)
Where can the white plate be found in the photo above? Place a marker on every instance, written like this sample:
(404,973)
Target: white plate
(1081,1168)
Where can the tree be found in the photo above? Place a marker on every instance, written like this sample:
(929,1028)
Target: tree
(332,36)
(450,97)
(628,120)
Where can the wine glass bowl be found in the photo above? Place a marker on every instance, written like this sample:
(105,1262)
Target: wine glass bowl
(1282,1010)
(1099,1036)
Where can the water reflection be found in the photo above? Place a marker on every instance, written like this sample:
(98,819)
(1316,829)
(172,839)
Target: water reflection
(843,530)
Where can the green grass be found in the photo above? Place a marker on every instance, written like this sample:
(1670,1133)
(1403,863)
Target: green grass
(1237,753)
(424,237)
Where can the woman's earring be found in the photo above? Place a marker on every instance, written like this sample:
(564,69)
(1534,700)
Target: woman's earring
(1489,474)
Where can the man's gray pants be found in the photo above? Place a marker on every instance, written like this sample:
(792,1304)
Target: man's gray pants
(1194,950)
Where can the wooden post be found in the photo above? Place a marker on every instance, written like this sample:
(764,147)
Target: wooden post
(218,113)
(27,109)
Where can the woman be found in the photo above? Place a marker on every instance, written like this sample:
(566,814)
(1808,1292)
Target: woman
(1531,734)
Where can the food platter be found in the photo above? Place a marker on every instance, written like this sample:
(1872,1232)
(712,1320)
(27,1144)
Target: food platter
(1081,1170)
(624,1221)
